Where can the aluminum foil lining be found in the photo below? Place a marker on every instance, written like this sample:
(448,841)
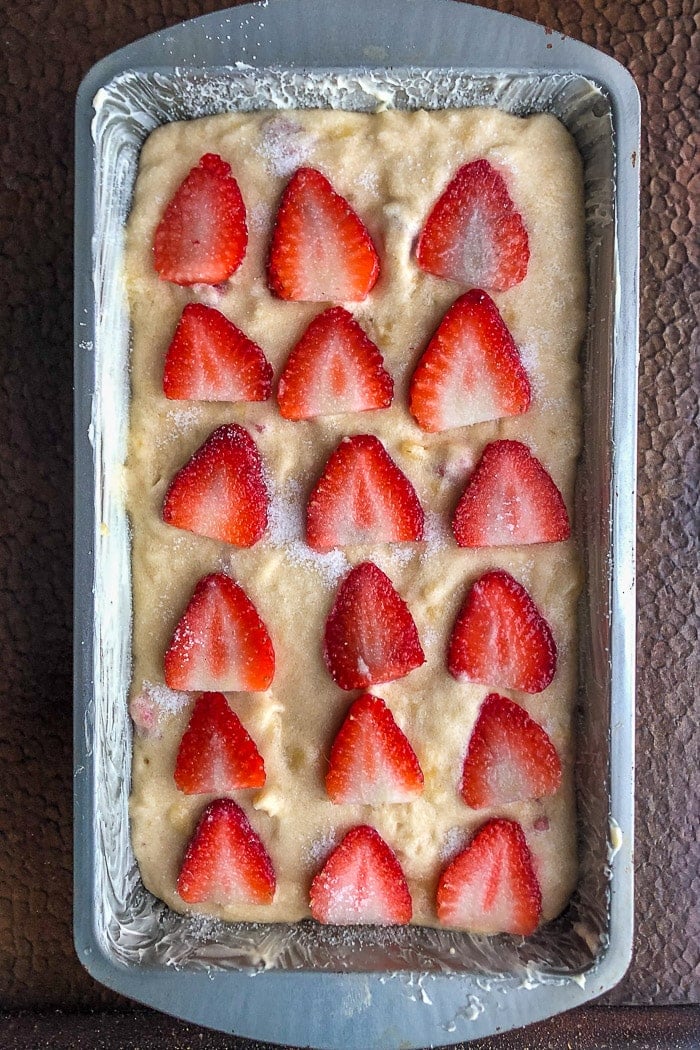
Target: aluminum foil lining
(134,927)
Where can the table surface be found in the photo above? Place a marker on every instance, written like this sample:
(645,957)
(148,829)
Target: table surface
(47,46)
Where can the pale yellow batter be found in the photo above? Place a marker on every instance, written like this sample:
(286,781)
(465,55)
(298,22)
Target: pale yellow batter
(391,166)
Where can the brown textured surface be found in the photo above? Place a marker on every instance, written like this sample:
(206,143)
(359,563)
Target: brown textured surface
(599,1028)
(47,45)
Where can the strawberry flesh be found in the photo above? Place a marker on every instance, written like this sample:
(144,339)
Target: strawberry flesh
(321,250)
(471,370)
(362,497)
(335,367)
(371,761)
(202,236)
(361,883)
(473,234)
(491,886)
(510,758)
(220,492)
(216,754)
(220,643)
(509,500)
(370,635)
(225,861)
(209,359)
(500,638)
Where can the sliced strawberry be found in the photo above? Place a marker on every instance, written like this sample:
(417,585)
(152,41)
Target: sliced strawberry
(510,499)
(474,235)
(202,236)
(471,370)
(371,760)
(216,754)
(361,883)
(362,497)
(501,639)
(209,359)
(370,634)
(335,367)
(510,758)
(220,643)
(220,492)
(321,250)
(225,861)
(491,886)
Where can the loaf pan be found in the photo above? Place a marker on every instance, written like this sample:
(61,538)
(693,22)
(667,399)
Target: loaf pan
(299,984)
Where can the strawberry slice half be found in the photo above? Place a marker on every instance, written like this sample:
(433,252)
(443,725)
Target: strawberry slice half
(510,499)
(371,760)
(202,236)
(510,758)
(209,359)
(362,497)
(471,370)
(473,234)
(361,883)
(225,861)
(500,638)
(370,635)
(335,367)
(491,886)
(216,754)
(321,250)
(220,643)
(220,492)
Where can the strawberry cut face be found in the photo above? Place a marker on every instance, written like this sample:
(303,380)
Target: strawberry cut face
(216,754)
(371,760)
(370,635)
(474,234)
(321,250)
(220,643)
(202,237)
(361,883)
(209,359)
(491,886)
(334,368)
(510,758)
(226,862)
(362,497)
(510,500)
(471,370)
(221,491)
(501,639)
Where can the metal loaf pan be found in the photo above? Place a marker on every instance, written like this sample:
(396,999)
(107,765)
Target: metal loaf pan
(303,984)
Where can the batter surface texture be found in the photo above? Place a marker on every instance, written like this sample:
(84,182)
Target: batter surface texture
(391,166)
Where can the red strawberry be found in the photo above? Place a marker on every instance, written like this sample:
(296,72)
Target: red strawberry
(370,634)
(321,250)
(491,886)
(220,643)
(216,755)
(474,234)
(209,359)
(510,758)
(362,497)
(335,367)
(371,760)
(471,370)
(510,499)
(220,492)
(361,883)
(501,639)
(225,862)
(202,236)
